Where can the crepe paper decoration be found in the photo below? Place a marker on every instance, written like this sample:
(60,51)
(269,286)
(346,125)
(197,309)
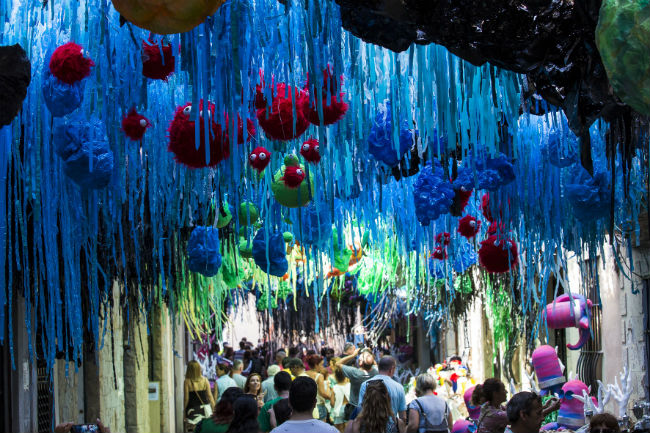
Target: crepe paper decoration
(498,255)
(548,369)
(310,150)
(248,214)
(61,98)
(433,194)
(292,197)
(15,76)
(203,254)
(245,249)
(443,238)
(571,414)
(225,216)
(182,136)
(485,207)
(342,256)
(163,17)
(493,173)
(69,64)
(316,224)
(623,392)
(333,107)
(568,311)
(623,37)
(259,158)
(135,125)
(277,120)
(380,138)
(589,196)
(158,61)
(270,255)
(560,150)
(461,199)
(468,226)
(83,147)
(437,268)
(439,253)
(473,411)
(464,257)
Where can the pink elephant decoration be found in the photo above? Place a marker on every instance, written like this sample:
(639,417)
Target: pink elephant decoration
(570,310)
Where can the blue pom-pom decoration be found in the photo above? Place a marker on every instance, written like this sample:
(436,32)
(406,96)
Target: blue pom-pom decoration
(61,98)
(380,139)
(277,263)
(494,173)
(437,269)
(316,224)
(79,142)
(558,153)
(464,257)
(433,194)
(203,251)
(589,196)
(464,179)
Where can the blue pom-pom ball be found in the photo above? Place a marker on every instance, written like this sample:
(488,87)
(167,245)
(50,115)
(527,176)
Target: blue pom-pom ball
(380,140)
(276,264)
(61,98)
(437,269)
(316,224)
(464,257)
(433,194)
(561,153)
(79,141)
(203,251)
(589,196)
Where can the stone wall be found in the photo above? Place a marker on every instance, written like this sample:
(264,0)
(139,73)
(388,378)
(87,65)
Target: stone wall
(136,377)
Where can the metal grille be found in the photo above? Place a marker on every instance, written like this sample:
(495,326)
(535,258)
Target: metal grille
(591,354)
(44,398)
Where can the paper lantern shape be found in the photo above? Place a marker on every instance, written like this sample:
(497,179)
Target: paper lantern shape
(203,254)
(277,121)
(473,411)
(590,196)
(275,249)
(292,197)
(165,17)
(433,194)
(558,153)
(571,414)
(81,142)
(248,211)
(135,125)
(498,255)
(310,150)
(623,38)
(548,369)
(380,139)
(15,76)
(468,226)
(568,311)
(158,61)
(69,65)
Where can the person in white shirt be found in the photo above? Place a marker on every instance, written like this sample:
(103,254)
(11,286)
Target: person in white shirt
(302,399)
(268,386)
(224,380)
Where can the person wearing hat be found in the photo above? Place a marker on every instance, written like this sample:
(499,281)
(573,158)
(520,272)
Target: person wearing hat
(268,386)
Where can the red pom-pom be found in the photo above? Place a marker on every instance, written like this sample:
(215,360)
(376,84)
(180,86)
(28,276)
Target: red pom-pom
(181,138)
(443,238)
(485,207)
(259,158)
(68,63)
(277,120)
(155,65)
(332,113)
(260,98)
(310,150)
(439,253)
(135,125)
(293,176)
(468,226)
(498,256)
(461,198)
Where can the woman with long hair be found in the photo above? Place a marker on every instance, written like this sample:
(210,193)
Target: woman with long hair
(223,413)
(490,396)
(341,396)
(244,419)
(196,394)
(253,387)
(317,372)
(376,412)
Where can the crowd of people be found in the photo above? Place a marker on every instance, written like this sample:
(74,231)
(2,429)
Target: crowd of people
(356,392)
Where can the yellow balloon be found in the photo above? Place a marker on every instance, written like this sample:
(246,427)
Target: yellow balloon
(167,16)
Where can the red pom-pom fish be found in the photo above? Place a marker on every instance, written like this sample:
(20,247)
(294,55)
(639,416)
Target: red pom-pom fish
(293,176)
(259,158)
(468,226)
(439,254)
(68,63)
(310,150)
(443,238)
(498,255)
(155,65)
(135,125)
(277,121)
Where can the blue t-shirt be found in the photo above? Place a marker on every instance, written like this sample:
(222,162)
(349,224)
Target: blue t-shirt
(395,390)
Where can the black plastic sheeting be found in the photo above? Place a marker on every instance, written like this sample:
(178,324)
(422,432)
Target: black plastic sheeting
(15,75)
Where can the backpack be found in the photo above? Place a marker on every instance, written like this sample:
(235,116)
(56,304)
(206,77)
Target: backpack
(431,428)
